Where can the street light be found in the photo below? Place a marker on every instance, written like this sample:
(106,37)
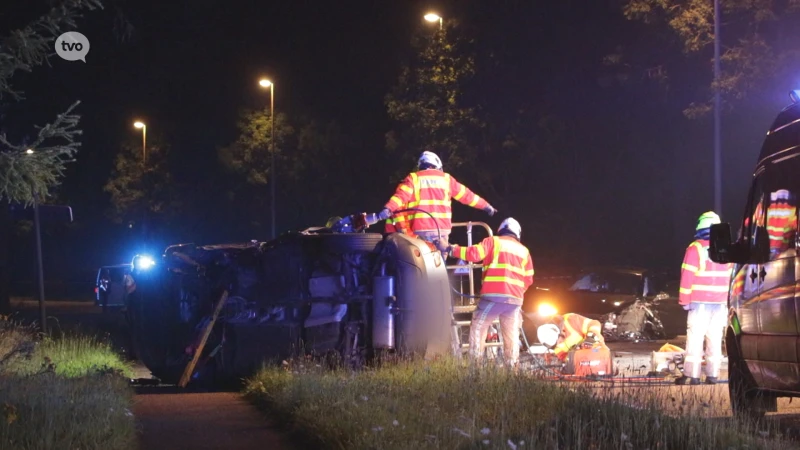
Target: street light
(29,151)
(143,127)
(433,17)
(265,83)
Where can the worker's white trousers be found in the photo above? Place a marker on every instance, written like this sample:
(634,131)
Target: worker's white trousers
(510,322)
(706,323)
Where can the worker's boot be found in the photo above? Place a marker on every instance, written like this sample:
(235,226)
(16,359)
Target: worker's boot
(712,380)
(684,380)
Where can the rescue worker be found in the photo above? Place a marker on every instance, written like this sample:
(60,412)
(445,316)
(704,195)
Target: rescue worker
(704,293)
(432,190)
(570,331)
(507,274)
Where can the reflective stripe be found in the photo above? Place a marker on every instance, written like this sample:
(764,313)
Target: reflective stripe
(502,279)
(475,200)
(510,267)
(433,202)
(396,201)
(689,267)
(437,215)
(406,188)
(685,290)
(461,192)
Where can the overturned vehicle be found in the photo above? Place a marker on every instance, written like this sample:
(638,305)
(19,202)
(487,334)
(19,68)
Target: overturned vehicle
(337,292)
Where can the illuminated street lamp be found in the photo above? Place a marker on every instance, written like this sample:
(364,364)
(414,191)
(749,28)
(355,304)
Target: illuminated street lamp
(143,127)
(265,83)
(29,151)
(433,17)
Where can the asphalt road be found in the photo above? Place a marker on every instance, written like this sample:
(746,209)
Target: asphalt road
(170,418)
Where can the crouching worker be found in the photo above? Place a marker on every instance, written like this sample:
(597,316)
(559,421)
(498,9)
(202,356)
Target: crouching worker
(507,274)
(569,332)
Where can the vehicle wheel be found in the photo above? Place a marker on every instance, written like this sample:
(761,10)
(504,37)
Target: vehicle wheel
(747,401)
(348,243)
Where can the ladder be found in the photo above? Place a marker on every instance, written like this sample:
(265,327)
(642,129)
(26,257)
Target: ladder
(464,304)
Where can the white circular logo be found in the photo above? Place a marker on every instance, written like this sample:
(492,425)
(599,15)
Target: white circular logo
(72,46)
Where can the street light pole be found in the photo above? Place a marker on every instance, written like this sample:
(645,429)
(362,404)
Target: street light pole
(267,83)
(143,127)
(39,265)
(717,114)
(39,268)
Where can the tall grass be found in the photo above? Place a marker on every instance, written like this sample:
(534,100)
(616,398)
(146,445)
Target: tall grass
(65,393)
(448,405)
(47,411)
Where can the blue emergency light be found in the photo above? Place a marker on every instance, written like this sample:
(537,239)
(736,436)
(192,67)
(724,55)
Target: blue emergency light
(143,262)
(795,95)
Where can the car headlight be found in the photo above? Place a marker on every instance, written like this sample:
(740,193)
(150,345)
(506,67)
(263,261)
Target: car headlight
(546,310)
(617,303)
(143,262)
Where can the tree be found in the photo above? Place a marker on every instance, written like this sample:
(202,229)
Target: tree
(760,40)
(427,106)
(54,144)
(142,191)
(250,157)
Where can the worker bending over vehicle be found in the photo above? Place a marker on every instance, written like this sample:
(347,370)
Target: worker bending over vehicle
(570,331)
(431,190)
(704,293)
(507,274)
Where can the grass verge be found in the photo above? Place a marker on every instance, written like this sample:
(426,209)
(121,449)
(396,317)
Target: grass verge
(68,393)
(447,405)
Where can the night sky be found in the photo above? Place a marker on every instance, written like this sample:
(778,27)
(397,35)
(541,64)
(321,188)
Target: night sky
(188,67)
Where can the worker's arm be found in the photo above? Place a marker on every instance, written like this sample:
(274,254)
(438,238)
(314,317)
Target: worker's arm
(402,195)
(462,194)
(474,253)
(528,267)
(689,268)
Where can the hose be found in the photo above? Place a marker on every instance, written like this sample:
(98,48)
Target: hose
(436,222)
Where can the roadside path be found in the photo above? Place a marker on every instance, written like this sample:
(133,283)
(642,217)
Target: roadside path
(170,418)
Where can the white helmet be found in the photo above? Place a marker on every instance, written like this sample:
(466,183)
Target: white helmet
(431,159)
(548,335)
(511,225)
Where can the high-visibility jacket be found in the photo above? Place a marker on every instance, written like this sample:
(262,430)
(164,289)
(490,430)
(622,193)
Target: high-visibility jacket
(432,191)
(703,280)
(777,221)
(507,266)
(574,330)
(397,224)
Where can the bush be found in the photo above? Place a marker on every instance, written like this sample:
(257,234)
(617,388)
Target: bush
(62,393)
(448,405)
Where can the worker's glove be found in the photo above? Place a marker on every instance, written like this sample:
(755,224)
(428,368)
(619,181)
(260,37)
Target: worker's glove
(689,307)
(442,246)
(489,209)
(384,214)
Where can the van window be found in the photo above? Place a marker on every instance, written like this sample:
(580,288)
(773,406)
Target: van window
(784,188)
(755,215)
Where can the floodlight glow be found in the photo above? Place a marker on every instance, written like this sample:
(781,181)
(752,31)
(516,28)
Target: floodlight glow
(143,262)
(547,310)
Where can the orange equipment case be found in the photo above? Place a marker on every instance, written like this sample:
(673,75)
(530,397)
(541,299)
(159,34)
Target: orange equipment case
(589,361)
